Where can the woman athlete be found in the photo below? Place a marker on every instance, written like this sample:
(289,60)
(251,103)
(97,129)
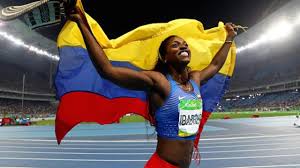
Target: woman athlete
(173,90)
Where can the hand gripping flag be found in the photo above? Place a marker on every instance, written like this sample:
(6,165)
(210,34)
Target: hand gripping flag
(87,96)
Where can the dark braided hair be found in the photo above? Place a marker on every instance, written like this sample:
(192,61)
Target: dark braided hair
(162,51)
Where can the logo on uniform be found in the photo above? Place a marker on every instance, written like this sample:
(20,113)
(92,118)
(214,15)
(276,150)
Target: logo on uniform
(181,97)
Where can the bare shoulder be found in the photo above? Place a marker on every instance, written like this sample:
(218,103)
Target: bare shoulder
(196,76)
(161,83)
(157,77)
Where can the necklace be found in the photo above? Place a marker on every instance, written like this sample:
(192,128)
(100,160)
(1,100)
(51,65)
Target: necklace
(188,87)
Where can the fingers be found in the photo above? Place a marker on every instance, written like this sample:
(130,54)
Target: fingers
(229,27)
(74,14)
(235,27)
(241,27)
(229,24)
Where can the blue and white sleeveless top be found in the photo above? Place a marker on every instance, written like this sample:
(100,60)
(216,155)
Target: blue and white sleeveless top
(179,117)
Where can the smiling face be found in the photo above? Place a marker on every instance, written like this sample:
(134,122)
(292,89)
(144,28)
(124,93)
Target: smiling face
(175,51)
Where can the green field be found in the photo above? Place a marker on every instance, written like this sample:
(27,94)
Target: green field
(250,114)
(44,122)
(223,115)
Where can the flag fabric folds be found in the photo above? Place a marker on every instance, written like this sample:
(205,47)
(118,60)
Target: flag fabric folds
(86,96)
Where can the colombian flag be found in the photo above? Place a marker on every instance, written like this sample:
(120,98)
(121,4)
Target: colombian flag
(86,96)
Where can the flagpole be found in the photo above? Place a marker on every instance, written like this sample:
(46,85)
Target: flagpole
(50,75)
(23,93)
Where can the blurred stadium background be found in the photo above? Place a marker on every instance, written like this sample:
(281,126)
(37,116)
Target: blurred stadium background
(267,73)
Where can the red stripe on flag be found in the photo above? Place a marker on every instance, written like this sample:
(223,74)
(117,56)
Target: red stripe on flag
(196,155)
(77,107)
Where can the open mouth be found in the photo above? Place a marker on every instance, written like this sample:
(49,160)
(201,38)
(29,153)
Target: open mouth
(184,53)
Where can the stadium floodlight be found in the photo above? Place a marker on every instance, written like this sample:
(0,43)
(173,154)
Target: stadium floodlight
(255,43)
(298,19)
(21,43)
(18,42)
(280,30)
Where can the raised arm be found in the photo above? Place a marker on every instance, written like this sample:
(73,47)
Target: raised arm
(220,57)
(125,77)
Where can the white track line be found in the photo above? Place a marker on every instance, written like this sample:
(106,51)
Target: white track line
(102,160)
(251,140)
(138,148)
(15,167)
(85,141)
(250,157)
(75,160)
(143,153)
(144,143)
(75,144)
(250,150)
(136,141)
(77,153)
(250,137)
(287,165)
(229,135)
(252,145)
(78,148)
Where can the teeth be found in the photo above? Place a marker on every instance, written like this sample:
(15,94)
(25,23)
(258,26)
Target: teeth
(184,54)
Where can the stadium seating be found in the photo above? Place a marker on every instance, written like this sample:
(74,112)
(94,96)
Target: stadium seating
(285,100)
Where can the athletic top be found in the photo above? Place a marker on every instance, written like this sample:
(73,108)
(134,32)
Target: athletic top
(179,117)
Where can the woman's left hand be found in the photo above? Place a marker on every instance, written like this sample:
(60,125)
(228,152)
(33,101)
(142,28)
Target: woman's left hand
(75,15)
(231,33)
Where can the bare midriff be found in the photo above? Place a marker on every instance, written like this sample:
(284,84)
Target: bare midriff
(176,152)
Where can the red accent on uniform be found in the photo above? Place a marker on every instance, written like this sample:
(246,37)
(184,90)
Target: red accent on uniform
(156,162)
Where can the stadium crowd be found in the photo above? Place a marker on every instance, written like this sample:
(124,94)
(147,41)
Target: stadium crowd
(35,109)
(283,101)
(257,69)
